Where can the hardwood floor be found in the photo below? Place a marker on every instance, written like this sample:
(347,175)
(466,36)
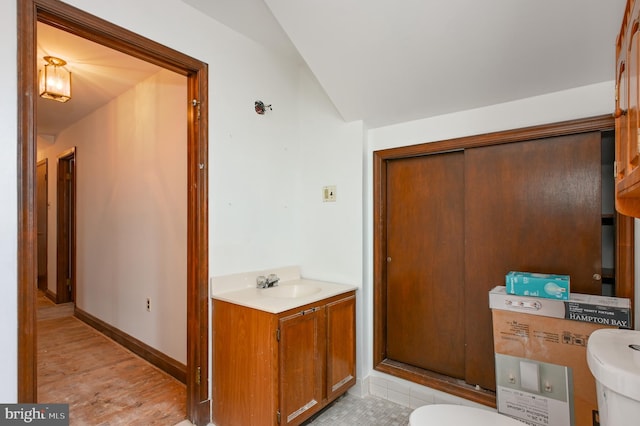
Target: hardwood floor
(103,383)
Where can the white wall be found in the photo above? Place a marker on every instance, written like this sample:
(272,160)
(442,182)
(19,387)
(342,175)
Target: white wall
(330,234)
(131,242)
(8,206)
(330,154)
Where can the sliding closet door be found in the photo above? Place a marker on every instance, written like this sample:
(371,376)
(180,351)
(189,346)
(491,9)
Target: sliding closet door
(425,262)
(530,206)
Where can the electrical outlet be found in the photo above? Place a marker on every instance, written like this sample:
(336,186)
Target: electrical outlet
(148,305)
(329,193)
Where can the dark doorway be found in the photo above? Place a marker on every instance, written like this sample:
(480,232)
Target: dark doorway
(42,203)
(66,225)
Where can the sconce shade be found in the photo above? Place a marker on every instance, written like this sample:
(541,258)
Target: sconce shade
(55,81)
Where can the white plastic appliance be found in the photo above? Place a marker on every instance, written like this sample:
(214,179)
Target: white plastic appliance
(613,356)
(459,415)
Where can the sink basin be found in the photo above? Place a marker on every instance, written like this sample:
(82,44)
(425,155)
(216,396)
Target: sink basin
(290,291)
(288,294)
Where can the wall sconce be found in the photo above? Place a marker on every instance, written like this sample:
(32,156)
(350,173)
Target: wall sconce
(261,107)
(55,81)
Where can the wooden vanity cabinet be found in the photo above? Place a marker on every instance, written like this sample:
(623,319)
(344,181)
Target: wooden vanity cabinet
(627,112)
(280,369)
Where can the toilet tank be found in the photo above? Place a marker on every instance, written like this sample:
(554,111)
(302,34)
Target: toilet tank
(614,360)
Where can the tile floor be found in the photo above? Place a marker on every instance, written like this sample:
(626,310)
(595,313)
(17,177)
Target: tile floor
(350,410)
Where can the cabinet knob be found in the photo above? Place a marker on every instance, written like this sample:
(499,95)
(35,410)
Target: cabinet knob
(389,259)
(597,277)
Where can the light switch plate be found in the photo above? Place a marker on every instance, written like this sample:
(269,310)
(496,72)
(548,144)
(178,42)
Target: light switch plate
(329,193)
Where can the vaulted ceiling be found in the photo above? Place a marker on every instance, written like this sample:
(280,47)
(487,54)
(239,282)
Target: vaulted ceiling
(383,61)
(386,62)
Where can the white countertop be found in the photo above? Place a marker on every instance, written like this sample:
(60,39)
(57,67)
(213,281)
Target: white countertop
(286,295)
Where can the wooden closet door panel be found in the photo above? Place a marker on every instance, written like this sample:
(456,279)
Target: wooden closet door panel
(530,206)
(425,271)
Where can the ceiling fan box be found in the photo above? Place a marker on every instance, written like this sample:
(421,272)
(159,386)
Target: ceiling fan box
(604,310)
(543,331)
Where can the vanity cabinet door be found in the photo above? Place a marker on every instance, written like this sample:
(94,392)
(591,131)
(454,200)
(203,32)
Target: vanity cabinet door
(341,346)
(301,364)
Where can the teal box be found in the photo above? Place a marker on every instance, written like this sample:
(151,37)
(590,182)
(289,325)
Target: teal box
(534,284)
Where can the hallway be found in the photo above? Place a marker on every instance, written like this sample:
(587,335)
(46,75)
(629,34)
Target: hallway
(103,383)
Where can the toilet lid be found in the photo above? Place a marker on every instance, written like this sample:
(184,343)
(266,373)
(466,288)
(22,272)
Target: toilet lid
(449,414)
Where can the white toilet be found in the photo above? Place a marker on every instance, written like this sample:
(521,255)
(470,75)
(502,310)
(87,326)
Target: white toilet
(458,415)
(614,360)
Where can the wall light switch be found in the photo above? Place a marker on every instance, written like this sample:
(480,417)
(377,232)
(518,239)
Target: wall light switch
(530,376)
(329,193)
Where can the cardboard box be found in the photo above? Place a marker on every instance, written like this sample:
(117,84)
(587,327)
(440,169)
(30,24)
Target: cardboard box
(538,285)
(542,376)
(521,394)
(614,311)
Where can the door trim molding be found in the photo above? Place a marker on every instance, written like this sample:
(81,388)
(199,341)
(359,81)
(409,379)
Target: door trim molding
(82,24)
(624,241)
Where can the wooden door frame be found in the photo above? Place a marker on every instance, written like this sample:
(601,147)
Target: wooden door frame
(63,245)
(624,242)
(82,24)
(44,287)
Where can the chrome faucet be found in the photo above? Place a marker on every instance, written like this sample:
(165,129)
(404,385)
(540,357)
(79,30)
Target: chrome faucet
(270,280)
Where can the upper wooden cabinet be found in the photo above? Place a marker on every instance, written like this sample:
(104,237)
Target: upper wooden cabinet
(627,112)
